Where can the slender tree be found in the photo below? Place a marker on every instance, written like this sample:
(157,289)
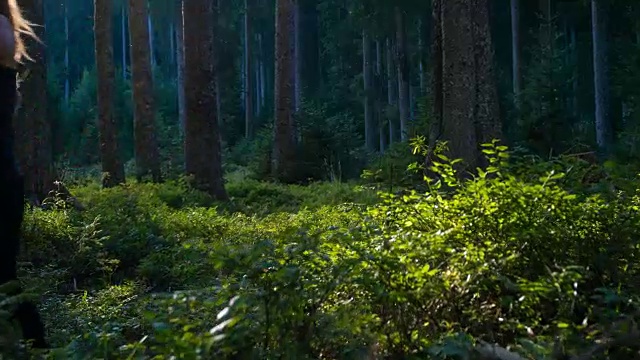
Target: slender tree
(249,75)
(203,158)
(112,166)
(285,133)
(599,20)
(516,73)
(402,62)
(147,155)
(180,62)
(35,146)
(392,88)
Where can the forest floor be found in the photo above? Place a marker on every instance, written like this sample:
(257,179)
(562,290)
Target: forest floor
(529,259)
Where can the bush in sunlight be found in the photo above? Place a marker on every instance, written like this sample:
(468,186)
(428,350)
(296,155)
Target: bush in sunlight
(529,260)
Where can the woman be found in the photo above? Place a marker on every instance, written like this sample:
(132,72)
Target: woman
(12,53)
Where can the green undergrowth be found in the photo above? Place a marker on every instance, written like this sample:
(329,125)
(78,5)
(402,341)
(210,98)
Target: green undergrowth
(528,257)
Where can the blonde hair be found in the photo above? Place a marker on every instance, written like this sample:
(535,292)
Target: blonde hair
(21,27)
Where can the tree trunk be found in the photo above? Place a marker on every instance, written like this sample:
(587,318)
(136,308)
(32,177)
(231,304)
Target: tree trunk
(574,82)
(392,86)
(147,155)
(112,166)
(402,63)
(515,52)
(180,64)
(599,25)
(458,81)
(150,39)
(487,112)
(469,92)
(378,98)
(67,74)
(248,76)
(284,141)
(262,78)
(435,125)
(203,158)
(35,153)
(124,34)
(368,92)
(297,56)
(216,70)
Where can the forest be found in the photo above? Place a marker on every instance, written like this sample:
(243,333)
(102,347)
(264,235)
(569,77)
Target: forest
(330,179)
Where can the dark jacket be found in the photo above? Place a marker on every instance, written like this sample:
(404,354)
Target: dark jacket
(8,97)
(11,186)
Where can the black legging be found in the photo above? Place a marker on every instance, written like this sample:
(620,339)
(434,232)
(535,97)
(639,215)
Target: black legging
(12,199)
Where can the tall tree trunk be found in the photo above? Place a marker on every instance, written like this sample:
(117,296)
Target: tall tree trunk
(262,80)
(248,77)
(203,159)
(487,111)
(515,52)
(180,63)
(256,87)
(402,62)
(67,75)
(469,92)
(112,166)
(458,81)
(297,56)
(599,25)
(369,128)
(435,125)
(124,34)
(216,70)
(151,40)
(147,155)
(546,42)
(284,141)
(379,97)
(391,91)
(36,157)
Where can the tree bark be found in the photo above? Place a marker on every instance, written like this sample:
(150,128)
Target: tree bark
(147,154)
(180,63)
(284,139)
(203,158)
(392,87)
(402,63)
(515,52)
(112,165)
(435,125)
(248,77)
(297,55)
(599,21)
(487,112)
(469,108)
(35,153)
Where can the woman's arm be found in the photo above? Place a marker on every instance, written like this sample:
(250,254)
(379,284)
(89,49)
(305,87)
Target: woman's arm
(7,43)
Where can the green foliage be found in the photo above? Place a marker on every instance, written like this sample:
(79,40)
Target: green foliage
(522,254)
(330,147)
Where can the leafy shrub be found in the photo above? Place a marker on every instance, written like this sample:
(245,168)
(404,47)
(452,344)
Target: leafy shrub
(531,260)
